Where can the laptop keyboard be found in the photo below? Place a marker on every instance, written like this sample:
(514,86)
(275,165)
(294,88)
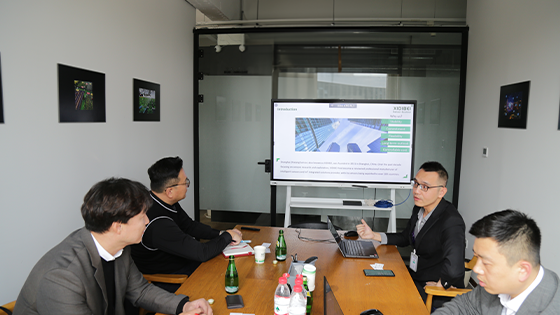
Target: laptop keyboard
(353,248)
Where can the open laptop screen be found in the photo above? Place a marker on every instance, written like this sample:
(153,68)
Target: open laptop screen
(331,305)
(333,230)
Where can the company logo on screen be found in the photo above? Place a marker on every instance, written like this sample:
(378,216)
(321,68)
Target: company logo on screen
(402,109)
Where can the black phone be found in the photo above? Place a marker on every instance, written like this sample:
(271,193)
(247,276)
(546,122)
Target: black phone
(378,273)
(234,301)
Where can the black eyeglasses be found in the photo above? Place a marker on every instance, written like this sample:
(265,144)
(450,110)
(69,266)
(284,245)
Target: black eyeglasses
(422,187)
(186,183)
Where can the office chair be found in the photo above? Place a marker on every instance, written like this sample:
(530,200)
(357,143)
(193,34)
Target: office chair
(432,291)
(166,278)
(10,307)
(163,278)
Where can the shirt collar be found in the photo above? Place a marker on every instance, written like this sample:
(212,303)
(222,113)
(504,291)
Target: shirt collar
(421,214)
(515,303)
(105,254)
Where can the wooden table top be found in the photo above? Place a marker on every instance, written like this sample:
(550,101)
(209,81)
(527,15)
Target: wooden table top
(354,291)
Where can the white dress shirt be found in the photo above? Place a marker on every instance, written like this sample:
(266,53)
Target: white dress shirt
(105,254)
(512,305)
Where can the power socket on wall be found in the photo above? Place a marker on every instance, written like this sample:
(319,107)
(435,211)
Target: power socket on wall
(485,152)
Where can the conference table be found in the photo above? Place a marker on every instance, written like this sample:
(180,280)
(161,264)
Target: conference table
(353,290)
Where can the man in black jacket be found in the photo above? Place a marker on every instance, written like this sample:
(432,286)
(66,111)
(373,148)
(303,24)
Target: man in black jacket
(436,232)
(168,245)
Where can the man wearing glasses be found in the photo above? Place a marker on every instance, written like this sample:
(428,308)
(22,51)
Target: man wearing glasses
(168,244)
(436,232)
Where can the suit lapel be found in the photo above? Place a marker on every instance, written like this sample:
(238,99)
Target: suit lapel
(121,280)
(540,298)
(96,264)
(413,221)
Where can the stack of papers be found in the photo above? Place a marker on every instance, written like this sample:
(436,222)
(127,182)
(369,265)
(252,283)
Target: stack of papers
(243,249)
(377,266)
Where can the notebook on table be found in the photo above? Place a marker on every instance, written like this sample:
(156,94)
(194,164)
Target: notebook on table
(242,249)
(353,248)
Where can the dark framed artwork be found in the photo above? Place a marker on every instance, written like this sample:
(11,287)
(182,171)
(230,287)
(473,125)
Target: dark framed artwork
(559,121)
(81,95)
(514,103)
(1,96)
(146,105)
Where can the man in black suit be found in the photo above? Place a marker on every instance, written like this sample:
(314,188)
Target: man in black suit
(436,232)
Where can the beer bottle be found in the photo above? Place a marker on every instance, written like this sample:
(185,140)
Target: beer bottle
(309,296)
(281,247)
(232,279)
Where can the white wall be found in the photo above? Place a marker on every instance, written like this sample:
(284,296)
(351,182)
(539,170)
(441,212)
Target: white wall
(513,41)
(47,167)
(313,9)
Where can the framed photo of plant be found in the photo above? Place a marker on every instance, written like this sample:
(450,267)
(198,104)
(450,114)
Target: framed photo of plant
(81,95)
(146,105)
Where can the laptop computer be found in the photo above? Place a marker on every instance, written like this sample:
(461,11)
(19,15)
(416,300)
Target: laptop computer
(353,248)
(331,306)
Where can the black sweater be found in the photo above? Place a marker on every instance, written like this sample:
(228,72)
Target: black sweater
(169,245)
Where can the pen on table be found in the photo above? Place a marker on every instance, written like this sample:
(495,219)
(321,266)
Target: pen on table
(246,241)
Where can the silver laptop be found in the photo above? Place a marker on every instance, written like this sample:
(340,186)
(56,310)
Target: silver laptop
(331,306)
(353,248)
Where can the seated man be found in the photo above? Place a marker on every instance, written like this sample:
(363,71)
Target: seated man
(436,232)
(91,272)
(168,244)
(511,278)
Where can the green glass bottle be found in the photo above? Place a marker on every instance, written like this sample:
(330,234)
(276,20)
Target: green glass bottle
(281,251)
(232,279)
(309,296)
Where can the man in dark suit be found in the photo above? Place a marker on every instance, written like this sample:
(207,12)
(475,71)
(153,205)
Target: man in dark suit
(91,272)
(511,277)
(436,232)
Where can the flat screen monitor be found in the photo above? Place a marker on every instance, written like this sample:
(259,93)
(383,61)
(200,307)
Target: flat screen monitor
(343,141)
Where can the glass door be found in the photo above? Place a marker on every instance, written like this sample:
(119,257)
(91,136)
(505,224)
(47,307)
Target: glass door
(237,85)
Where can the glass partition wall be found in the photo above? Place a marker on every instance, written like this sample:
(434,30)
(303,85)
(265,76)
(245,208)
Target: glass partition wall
(239,71)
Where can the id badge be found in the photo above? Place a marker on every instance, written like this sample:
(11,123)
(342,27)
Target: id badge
(413,261)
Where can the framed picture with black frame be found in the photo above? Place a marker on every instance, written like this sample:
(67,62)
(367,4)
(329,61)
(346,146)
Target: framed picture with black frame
(1,96)
(559,120)
(146,104)
(514,104)
(81,95)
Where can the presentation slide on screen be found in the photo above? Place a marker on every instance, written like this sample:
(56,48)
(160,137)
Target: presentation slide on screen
(343,141)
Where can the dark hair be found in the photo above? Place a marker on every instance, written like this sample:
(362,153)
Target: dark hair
(164,173)
(517,235)
(114,200)
(436,167)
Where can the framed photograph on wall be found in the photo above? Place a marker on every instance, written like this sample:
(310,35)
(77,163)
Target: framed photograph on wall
(514,103)
(559,121)
(146,105)
(81,95)
(1,96)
